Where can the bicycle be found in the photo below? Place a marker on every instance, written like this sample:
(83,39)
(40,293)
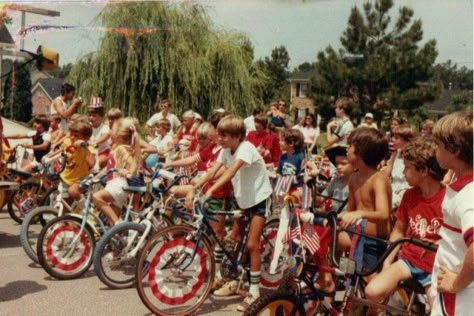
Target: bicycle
(284,302)
(176,268)
(66,243)
(116,252)
(32,190)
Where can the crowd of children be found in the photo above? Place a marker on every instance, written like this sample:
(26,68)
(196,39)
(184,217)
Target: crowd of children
(393,183)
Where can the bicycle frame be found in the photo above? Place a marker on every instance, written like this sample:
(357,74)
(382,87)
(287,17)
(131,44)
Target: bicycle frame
(346,268)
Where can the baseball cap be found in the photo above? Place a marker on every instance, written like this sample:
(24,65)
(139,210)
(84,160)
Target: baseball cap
(369,115)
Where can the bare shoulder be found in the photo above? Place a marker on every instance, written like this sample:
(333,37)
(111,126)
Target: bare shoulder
(380,178)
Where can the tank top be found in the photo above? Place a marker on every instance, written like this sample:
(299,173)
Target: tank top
(64,122)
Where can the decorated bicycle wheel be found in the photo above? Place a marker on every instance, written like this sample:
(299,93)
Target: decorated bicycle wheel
(175,272)
(275,303)
(116,255)
(31,227)
(267,245)
(64,251)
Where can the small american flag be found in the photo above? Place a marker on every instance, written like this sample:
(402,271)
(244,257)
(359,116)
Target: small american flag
(282,186)
(311,238)
(294,229)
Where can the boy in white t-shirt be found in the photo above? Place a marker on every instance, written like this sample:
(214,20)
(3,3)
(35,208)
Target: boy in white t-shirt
(252,189)
(100,138)
(453,269)
(163,143)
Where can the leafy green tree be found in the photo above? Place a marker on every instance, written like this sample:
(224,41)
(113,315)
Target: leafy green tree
(17,94)
(170,50)
(449,73)
(380,64)
(276,68)
(61,72)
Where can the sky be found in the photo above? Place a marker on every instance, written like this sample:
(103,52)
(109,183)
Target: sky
(304,27)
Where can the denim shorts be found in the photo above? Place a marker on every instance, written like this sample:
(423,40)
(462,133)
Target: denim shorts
(417,274)
(373,249)
(260,209)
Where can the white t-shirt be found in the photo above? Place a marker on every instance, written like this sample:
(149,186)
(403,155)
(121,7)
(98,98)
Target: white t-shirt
(456,235)
(97,133)
(249,124)
(309,133)
(174,121)
(251,183)
(162,143)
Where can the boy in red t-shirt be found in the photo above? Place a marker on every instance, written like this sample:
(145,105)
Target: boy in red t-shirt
(419,215)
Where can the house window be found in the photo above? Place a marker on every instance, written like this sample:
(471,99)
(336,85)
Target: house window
(301,89)
(40,93)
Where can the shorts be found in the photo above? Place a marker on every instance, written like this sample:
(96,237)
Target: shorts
(373,249)
(259,210)
(218,204)
(115,188)
(417,274)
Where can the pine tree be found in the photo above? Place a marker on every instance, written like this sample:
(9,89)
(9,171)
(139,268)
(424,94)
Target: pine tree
(381,63)
(17,94)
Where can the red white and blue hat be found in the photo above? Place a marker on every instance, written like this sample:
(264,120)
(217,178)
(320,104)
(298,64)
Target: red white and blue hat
(96,102)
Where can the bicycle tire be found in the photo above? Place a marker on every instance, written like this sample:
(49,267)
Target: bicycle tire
(167,253)
(31,227)
(57,234)
(278,303)
(26,190)
(112,244)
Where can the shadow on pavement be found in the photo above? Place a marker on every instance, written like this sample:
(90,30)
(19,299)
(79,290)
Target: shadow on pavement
(9,240)
(14,290)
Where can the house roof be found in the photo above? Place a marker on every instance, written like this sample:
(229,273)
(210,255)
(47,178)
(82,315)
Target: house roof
(303,75)
(5,36)
(445,99)
(52,86)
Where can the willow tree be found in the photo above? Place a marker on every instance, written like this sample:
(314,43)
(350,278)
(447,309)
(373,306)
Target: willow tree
(168,50)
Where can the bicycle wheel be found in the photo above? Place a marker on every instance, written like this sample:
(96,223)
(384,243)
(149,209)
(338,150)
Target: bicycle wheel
(31,227)
(23,200)
(267,245)
(114,264)
(63,250)
(175,273)
(279,303)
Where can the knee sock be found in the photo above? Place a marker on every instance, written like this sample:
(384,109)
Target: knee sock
(254,289)
(218,255)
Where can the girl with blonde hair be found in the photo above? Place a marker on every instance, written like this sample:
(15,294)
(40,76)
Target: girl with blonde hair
(126,158)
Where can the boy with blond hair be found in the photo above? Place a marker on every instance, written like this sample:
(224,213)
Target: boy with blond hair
(369,202)
(453,270)
(246,169)
(419,216)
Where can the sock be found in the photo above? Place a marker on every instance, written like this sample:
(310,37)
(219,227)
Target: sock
(254,289)
(218,256)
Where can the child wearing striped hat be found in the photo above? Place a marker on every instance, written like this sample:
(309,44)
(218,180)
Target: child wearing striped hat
(100,138)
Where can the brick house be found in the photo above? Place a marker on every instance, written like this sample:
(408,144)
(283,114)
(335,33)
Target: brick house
(44,91)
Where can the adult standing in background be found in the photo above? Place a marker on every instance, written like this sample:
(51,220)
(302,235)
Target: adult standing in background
(369,121)
(339,129)
(267,142)
(310,132)
(278,116)
(61,106)
(164,113)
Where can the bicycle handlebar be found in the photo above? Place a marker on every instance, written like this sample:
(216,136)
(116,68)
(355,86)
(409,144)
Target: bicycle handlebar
(331,220)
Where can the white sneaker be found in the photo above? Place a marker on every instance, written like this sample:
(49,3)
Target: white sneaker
(228,289)
(246,303)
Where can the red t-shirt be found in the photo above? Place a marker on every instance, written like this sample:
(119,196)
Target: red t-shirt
(207,156)
(266,140)
(190,136)
(424,218)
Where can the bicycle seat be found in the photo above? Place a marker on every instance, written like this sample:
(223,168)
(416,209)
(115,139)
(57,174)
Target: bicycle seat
(413,285)
(21,173)
(134,189)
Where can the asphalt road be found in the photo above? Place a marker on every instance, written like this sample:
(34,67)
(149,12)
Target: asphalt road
(25,289)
